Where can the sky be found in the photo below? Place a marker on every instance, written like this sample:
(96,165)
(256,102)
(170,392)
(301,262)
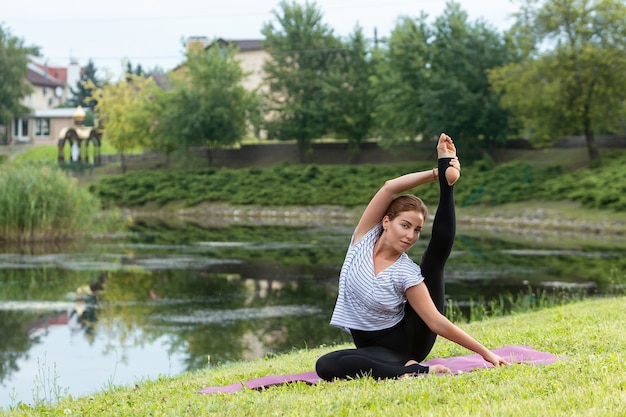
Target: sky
(152,33)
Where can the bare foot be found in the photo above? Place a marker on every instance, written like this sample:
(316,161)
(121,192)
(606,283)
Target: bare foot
(438,370)
(446,149)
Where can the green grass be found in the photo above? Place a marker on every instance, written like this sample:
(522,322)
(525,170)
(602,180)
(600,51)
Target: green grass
(40,203)
(590,382)
(49,153)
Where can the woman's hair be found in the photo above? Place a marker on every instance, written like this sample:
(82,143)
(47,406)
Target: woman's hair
(406,202)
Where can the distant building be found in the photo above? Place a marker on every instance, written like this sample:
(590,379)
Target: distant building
(251,56)
(50,89)
(250,53)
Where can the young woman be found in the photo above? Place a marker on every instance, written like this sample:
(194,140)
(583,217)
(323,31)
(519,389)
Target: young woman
(392,307)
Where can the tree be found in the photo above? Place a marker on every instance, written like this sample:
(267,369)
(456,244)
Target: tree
(164,137)
(348,92)
(457,97)
(207,104)
(399,80)
(130,71)
(572,79)
(13,71)
(124,111)
(432,78)
(302,50)
(83,95)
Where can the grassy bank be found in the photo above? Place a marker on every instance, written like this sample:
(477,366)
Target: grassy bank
(591,382)
(483,183)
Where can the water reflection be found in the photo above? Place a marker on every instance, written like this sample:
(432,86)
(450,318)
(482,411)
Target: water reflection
(167,299)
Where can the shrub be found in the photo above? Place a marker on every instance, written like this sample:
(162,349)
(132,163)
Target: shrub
(40,203)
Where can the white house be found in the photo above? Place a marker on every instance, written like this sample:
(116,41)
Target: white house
(50,89)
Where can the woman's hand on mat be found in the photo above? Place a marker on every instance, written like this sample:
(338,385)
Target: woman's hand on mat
(495,360)
(438,370)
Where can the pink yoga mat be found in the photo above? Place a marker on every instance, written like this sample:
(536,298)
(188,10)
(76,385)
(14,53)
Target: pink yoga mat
(459,364)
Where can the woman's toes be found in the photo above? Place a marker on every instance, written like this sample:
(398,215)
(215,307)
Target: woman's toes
(445,147)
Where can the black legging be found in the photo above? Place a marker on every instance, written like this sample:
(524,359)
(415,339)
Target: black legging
(383,353)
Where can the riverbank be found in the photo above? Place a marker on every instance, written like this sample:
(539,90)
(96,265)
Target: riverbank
(590,382)
(556,217)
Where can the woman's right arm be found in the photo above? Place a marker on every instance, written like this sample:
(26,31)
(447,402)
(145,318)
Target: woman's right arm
(419,298)
(375,210)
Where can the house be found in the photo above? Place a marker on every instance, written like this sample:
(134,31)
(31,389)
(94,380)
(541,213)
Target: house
(251,55)
(50,89)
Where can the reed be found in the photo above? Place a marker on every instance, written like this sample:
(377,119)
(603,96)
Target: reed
(526,301)
(40,203)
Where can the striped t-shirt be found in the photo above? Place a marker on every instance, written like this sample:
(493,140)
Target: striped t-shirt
(369,302)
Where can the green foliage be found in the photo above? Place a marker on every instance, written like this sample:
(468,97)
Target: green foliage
(573,87)
(310,185)
(207,104)
(506,183)
(600,186)
(83,93)
(349,93)
(482,183)
(507,304)
(455,97)
(303,50)
(399,80)
(124,110)
(432,78)
(40,203)
(282,185)
(13,67)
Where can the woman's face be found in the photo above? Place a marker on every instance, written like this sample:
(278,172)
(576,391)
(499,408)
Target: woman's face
(404,230)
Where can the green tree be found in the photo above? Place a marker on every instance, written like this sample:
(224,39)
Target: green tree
(83,93)
(302,50)
(456,97)
(399,79)
(13,72)
(125,112)
(348,92)
(432,78)
(208,103)
(138,70)
(167,107)
(572,79)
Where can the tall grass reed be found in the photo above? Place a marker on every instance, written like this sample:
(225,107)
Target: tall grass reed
(39,203)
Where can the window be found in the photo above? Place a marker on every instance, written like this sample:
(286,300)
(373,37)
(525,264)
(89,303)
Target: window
(24,123)
(42,127)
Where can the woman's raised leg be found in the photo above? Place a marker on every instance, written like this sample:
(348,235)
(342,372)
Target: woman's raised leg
(434,260)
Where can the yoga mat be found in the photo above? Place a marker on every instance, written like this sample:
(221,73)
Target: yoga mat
(459,364)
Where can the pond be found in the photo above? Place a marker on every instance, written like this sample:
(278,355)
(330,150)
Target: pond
(172,297)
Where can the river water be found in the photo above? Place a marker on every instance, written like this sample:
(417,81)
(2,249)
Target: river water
(171,297)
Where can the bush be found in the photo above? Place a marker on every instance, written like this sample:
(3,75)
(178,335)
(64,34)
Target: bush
(483,183)
(40,203)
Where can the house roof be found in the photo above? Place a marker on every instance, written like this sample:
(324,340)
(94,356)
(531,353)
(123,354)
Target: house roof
(37,79)
(248,44)
(244,45)
(58,73)
(67,112)
(37,76)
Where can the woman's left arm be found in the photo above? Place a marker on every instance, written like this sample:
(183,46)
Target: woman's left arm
(419,298)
